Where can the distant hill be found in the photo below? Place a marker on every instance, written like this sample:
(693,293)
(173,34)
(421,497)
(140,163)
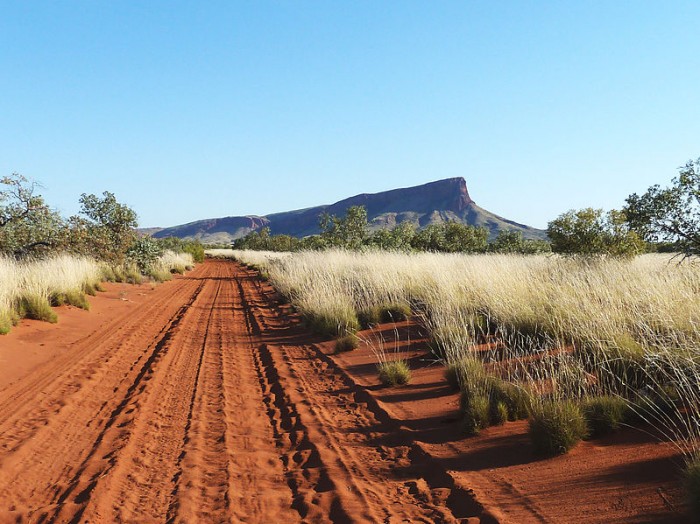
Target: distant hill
(435,202)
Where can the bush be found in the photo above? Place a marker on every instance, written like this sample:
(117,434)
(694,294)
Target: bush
(515,399)
(475,411)
(332,326)
(144,252)
(74,298)
(692,486)
(604,414)
(5,323)
(37,307)
(498,412)
(346,343)
(556,426)
(369,317)
(395,312)
(160,275)
(467,370)
(394,373)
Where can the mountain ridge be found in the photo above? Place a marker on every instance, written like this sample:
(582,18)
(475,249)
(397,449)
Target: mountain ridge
(434,202)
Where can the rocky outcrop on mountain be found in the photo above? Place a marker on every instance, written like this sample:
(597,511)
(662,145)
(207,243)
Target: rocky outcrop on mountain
(435,202)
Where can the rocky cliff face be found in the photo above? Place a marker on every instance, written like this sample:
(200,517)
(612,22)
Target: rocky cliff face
(425,204)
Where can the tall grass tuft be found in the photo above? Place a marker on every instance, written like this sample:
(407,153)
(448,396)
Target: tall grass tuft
(564,330)
(556,426)
(28,289)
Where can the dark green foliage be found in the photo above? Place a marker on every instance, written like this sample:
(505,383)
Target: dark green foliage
(556,427)
(346,343)
(394,373)
(395,312)
(589,232)
(451,237)
(37,307)
(369,317)
(515,399)
(509,241)
(331,327)
(498,412)
(692,486)
(398,238)
(178,245)
(106,228)
(27,225)
(605,414)
(349,232)
(144,252)
(476,412)
(73,298)
(671,214)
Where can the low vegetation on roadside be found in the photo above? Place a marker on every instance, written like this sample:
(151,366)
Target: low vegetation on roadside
(581,347)
(47,260)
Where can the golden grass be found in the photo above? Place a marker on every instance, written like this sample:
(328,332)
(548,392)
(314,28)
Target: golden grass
(569,329)
(27,288)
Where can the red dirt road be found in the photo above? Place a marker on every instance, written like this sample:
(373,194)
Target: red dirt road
(204,403)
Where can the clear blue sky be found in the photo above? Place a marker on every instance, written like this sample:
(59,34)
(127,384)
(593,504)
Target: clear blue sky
(191,110)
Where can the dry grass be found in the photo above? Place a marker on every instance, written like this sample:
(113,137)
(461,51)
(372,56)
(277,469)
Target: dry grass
(28,288)
(569,329)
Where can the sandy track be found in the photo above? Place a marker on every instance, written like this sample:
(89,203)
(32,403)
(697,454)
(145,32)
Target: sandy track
(206,404)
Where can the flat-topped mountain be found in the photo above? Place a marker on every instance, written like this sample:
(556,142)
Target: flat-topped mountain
(435,202)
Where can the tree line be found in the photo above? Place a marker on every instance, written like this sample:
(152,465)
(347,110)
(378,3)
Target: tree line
(104,228)
(661,219)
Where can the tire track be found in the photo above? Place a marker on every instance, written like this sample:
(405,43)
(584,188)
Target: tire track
(45,441)
(147,456)
(332,421)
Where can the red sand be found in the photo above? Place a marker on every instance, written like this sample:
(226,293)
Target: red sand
(203,400)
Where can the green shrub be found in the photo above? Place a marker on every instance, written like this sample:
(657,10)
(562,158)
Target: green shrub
(369,317)
(475,411)
(332,326)
(516,399)
(346,343)
(37,307)
(74,298)
(132,275)
(692,486)
(468,370)
(160,275)
(144,252)
(5,323)
(556,426)
(604,414)
(394,373)
(498,412)
(395,312)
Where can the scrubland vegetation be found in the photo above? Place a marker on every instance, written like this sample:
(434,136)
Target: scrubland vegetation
(47,260)
(580,346)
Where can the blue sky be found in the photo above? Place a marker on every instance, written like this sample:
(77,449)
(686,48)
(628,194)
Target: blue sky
(191,110)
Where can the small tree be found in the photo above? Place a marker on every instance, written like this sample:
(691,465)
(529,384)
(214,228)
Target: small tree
(348,232)
(507,241)
(461,238)
(108,227)
(26,222)
(670,214)
(590,232)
